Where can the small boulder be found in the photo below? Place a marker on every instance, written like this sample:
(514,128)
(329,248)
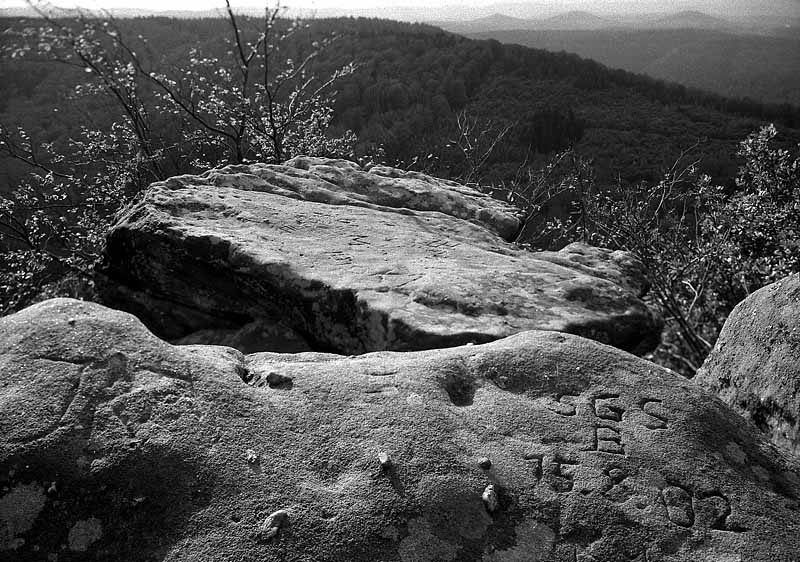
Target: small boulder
(755,364)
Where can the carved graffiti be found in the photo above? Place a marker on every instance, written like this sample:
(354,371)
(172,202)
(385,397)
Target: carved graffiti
(536,460)
(557,471)
(560,474)
(606,435)
(657,418)
(564,405)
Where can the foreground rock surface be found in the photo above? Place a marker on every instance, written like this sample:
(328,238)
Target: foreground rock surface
(115,445)
(755,365)
(322,255)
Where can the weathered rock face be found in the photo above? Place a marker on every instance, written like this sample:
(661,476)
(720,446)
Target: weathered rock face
(755,365)
(322,255)
(115,445)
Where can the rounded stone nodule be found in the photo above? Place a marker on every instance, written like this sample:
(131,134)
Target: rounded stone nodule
(252,457)
(490,499)
(272,525)
(385,460)
(484,463)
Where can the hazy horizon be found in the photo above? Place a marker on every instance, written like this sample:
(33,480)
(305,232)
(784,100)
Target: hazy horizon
(431,9)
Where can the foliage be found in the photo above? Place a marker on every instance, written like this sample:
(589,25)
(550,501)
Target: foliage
(264,107)
(254,103)
(52,226)
(763,216)
(552,196)
(475,141)
(259,102)
(704,249)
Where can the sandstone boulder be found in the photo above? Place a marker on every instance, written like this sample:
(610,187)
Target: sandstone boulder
(322,255)
(115,445)
(755,364)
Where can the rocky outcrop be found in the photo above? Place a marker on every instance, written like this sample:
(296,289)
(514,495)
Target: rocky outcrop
(323,255)
(115,445)
(755,364)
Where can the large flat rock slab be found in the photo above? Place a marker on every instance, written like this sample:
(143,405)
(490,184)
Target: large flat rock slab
(115,445)
(323,255)
(755,364)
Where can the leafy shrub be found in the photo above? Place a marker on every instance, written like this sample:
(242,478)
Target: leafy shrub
(704,249)
(53,225)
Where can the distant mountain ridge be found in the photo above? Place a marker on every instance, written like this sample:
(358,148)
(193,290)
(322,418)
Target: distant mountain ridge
(763,68)
(692,19)
(578,20)
(498,21)
(782,20)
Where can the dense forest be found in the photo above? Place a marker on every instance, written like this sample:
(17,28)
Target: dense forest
(410,83)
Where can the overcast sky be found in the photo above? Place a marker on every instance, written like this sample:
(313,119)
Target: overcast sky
(719,7)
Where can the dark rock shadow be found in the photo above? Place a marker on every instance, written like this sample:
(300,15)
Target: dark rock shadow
(142,503)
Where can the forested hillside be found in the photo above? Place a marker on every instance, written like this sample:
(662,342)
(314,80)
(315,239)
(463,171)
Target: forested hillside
(763,68)
(412,81)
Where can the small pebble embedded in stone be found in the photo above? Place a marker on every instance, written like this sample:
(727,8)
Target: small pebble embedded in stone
(484,463)
(490,499)
(252,456)
(385,460)
(273,524)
